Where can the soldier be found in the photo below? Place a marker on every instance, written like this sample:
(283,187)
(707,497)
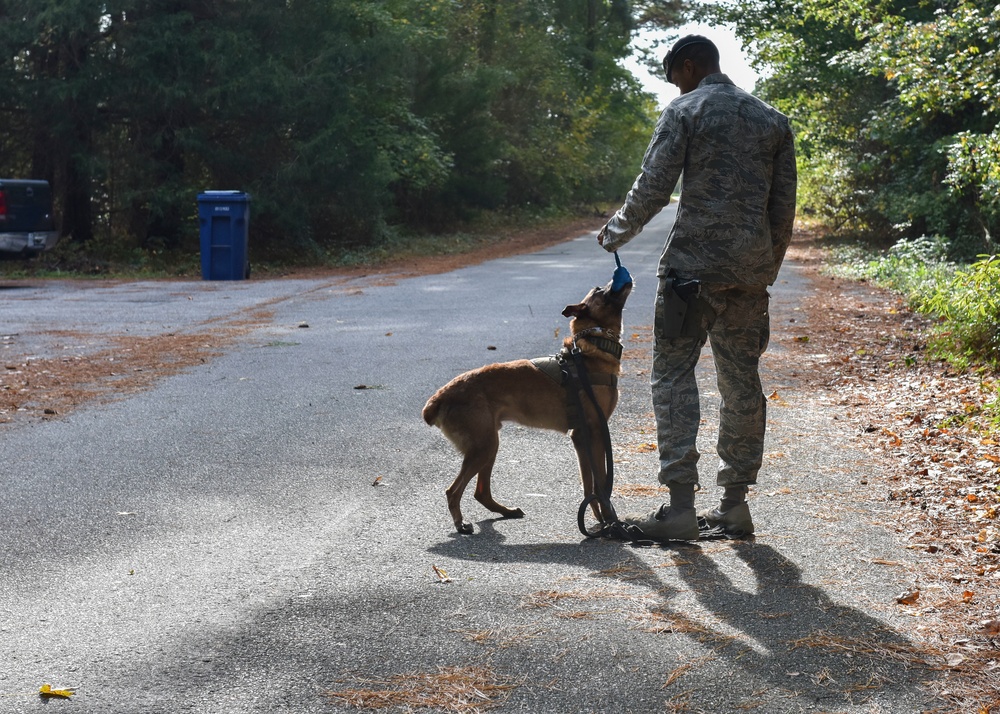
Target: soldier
(734,222)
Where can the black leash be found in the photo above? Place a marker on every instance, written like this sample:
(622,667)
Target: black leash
(577,379)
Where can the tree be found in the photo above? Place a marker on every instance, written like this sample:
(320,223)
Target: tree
(895,109)
(52,94)
(945,69)
(343,118)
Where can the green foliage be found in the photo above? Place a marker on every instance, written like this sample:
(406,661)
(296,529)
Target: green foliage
(918,268)
(895,107)
(944,68)
(970,306)
(974,172)
(963,300)
(342,118)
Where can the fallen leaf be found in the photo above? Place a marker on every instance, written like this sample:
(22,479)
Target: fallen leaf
(802,338)
(894,439)
(954,659)
(967,596)
(441,574)
(46,690)
(378,481)
(908,598)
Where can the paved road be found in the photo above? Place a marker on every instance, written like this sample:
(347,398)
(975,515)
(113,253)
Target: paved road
(216,544)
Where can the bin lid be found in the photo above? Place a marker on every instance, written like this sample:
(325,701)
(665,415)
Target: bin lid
(224,195)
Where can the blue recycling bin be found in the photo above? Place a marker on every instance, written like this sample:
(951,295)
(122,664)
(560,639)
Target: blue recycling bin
(224,218)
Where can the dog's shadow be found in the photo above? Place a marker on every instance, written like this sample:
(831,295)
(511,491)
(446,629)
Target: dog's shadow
(781,632)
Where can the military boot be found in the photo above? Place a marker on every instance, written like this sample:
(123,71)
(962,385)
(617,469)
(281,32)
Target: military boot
(666,523)
(736,521)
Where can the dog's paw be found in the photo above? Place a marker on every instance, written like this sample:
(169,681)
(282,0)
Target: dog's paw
(466,528)
(514,513)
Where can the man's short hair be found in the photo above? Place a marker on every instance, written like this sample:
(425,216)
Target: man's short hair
(697,48)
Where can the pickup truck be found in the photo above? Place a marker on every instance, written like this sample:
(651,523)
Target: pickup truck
(26,223)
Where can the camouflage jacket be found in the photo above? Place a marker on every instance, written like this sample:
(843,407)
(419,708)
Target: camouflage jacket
(737,204)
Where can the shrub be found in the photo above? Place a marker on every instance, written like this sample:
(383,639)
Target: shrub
(914,267)
(969,306)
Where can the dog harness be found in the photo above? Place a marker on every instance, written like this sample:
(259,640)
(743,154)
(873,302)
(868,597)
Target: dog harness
(557,367)
(553,365)
(560,368)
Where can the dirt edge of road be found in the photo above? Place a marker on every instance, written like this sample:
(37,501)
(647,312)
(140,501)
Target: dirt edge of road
(938,460)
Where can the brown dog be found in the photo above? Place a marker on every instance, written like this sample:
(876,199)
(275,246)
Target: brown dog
(471,408)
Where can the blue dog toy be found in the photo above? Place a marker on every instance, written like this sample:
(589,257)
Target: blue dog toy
(622,277)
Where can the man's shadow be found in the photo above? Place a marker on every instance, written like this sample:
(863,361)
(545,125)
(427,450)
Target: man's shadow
(794,635)
(784,634)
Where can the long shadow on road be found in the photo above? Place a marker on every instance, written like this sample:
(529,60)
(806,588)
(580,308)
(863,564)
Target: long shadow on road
(757,636)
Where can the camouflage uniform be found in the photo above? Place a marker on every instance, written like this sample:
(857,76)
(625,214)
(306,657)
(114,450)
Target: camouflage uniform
(734,223)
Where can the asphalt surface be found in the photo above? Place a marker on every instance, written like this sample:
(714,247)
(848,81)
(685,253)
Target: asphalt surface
(257,532)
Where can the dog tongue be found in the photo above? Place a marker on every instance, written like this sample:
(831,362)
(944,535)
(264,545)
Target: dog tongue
(621,278)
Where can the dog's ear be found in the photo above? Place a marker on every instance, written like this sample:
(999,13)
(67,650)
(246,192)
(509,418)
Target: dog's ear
(578,310)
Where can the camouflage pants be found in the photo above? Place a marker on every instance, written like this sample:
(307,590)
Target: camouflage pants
(735,320)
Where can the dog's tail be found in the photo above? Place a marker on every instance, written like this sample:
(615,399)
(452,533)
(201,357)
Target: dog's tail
(430,412)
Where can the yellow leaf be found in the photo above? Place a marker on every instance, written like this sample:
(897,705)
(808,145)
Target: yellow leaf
(46,690)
